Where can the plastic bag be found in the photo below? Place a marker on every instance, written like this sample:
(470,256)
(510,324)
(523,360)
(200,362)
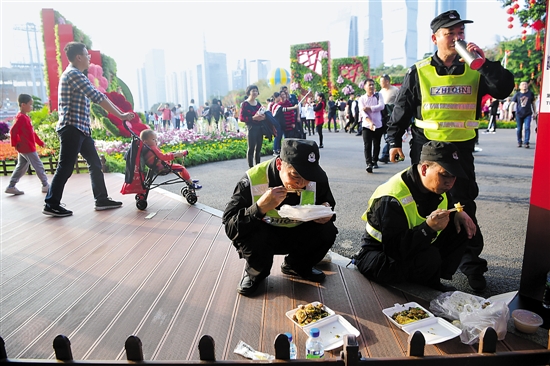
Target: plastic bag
(474,314)
(305,212)
(245,350)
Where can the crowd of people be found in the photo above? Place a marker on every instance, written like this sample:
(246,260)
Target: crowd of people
(213,116)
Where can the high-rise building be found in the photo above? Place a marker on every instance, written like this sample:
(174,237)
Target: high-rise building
(446,5)
(353,42)
(373,34)
(215,77)
(257,70)
(402,37)
(238,76)
(153,82)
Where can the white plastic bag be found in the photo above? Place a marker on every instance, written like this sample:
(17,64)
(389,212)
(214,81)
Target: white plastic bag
(305,212)
(474,313)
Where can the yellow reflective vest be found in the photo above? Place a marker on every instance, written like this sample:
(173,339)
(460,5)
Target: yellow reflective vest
(448,103)
(395,187)
(259,184)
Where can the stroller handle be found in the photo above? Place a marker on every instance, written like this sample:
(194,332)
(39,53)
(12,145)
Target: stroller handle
(126,125)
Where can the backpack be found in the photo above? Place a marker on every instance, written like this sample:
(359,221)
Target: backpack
(206,112)
(386,112)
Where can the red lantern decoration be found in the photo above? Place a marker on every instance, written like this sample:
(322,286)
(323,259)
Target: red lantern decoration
(510,19)
(510,11)
(537,26)
(510,26)
(524,31)
(524,25)
(523,38)
(516,6)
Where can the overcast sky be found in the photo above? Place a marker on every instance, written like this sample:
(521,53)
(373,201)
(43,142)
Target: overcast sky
(127,30)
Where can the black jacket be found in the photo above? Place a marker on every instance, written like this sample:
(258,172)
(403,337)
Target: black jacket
(495,80)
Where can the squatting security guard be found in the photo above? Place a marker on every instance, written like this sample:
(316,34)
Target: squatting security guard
(257,230)
(443,97)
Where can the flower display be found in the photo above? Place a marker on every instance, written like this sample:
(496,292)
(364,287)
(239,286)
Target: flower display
(95,74)
(361,84)
(308,77)
(4,130)
(294,86)
(340,79)
(347,90)
(324,54)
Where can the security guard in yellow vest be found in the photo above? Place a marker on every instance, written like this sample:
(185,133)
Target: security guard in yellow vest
(253,223)
(410,233)
(441,97)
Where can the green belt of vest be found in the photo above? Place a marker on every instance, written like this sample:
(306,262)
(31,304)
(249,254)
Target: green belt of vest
(259,184)
(395,187)
(448,103)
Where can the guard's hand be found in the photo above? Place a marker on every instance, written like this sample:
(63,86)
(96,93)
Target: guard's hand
(324,220)
(462,219)
(271,198)
(396,154)
(438,220)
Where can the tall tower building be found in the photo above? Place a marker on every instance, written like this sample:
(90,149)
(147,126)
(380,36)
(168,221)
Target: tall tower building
(153,81)
(402,38)
(239,76)
(353,42)
(445,5)
(257,70)
(372,31)
(215,80)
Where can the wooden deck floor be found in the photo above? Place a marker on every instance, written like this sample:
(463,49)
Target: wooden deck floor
(167,275)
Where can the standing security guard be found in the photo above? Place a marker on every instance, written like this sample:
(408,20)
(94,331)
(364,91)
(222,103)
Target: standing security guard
(443,95)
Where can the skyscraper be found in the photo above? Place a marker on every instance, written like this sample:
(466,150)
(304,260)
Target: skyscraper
(353,42)
(257,70)
(373,34)
(445,5)
(402,38)
(216,83)
(153,82)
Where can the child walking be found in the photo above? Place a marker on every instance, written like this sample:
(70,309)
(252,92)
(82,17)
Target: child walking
(149,138)
(24,139)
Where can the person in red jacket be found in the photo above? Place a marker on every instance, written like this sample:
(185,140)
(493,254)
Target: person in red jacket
(153,157)
(24,139)
(319,110)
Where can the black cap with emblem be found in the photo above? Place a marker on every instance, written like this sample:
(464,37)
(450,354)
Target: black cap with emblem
(303,155)
(447,20)
(444,154)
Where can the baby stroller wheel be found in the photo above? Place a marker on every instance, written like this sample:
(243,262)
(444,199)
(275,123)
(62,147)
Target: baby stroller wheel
(140,197)
(191,198)
(141,204)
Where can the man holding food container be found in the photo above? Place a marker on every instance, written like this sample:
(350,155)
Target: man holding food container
(442,95)
(255,223)
(413,230)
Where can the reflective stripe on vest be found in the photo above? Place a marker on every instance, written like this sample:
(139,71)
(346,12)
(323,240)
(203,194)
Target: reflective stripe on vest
(448,103)
(258,177)
(395,187)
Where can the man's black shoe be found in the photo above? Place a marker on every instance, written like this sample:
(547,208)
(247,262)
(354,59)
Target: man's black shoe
(314,275)
(107,204)
(369,168)
(248,285)
(477,282)
(56,211)
(374,165)
(443,287)
(384,160)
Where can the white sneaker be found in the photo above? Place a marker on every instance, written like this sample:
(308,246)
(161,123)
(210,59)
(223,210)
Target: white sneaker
(45,188)
(14,190)
(477,149)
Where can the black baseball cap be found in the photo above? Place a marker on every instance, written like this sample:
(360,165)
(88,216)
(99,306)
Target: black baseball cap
(303,155)
(447,20)
(445,154)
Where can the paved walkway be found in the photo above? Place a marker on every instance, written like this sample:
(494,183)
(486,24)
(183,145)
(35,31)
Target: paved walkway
(504,174)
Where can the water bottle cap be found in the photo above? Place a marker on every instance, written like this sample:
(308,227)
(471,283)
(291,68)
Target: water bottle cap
(314,332)
(289,336)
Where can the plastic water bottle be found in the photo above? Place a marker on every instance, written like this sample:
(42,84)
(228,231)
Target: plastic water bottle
(293,350)
(314,344)
(546,296)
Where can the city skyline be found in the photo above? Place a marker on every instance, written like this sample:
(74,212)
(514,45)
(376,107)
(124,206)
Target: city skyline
(183,45)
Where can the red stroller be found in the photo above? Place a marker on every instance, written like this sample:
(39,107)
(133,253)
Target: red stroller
(139,179)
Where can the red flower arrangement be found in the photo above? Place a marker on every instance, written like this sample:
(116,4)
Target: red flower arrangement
(135,124)
(95,74)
